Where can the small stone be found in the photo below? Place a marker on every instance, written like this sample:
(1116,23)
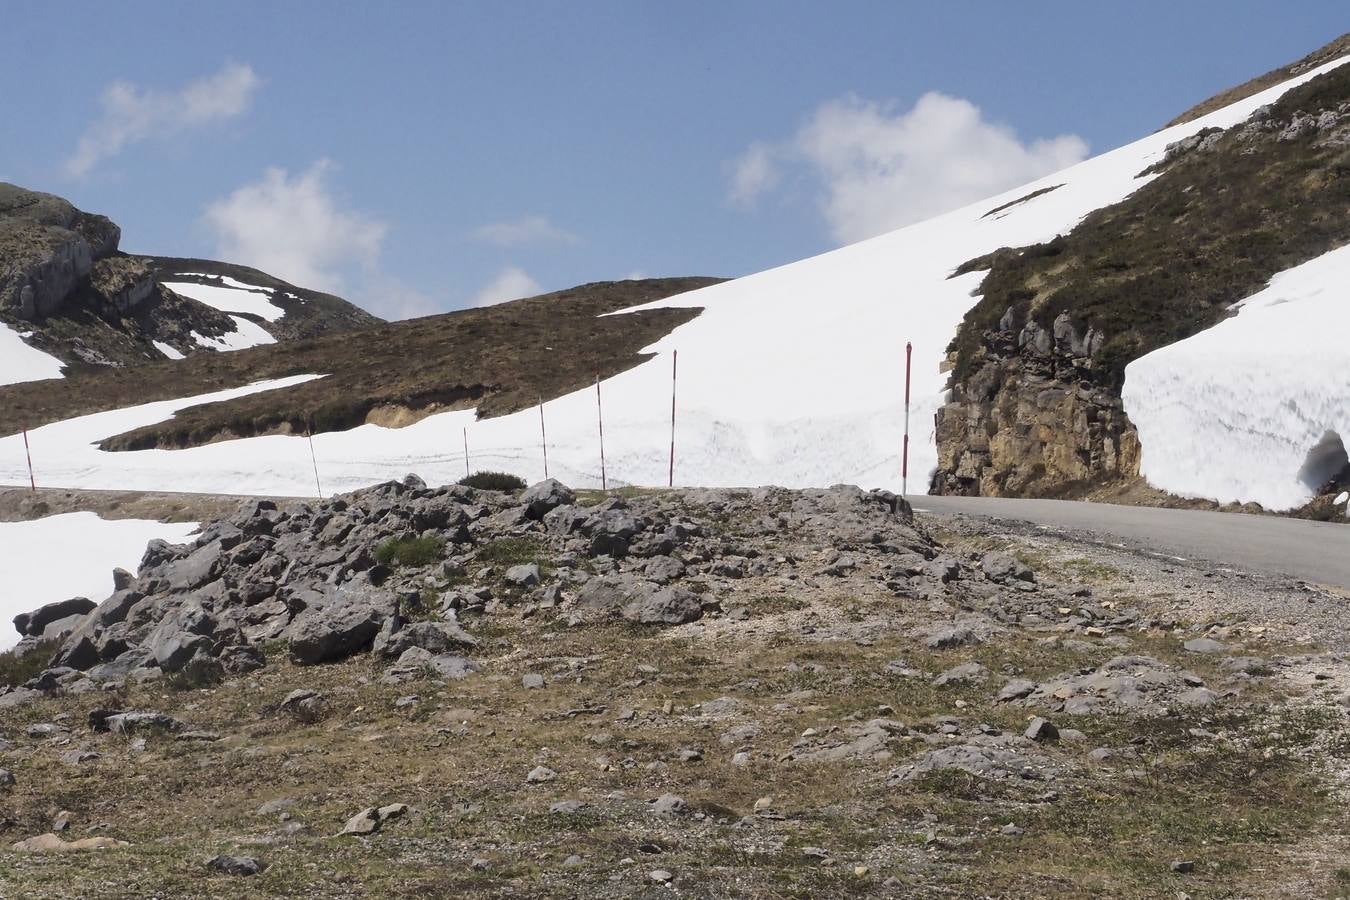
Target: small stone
(1203,645)
(567,807)
(532,680)
(670,805)
(1011,830)
(1183,866)
(861,871)
(740,759)
(1041,730)
(573,861)
(75,757)
(661,876)
(235,865)
(523,576)
(480,864)
(763,804)
(540,775)
(372,818)
(7,778)
(1016,690)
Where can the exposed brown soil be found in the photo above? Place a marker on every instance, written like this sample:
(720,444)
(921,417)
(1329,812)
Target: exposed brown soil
(754,721)
(22,505)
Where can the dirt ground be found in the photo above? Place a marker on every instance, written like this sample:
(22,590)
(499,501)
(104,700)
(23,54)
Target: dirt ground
(740,755)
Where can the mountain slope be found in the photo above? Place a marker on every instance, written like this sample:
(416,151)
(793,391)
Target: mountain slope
(70,296)
(791,376)
(1041,359)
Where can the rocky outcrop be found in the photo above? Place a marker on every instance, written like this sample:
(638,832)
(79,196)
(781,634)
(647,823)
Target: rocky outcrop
(47,249)
(326,581)
(1033,419)
(1035,406)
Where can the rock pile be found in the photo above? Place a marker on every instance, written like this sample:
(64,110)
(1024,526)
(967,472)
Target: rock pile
(335,578)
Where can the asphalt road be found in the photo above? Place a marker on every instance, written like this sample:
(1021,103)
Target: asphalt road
(1317,552)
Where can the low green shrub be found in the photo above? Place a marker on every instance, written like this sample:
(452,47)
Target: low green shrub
(15,669)
(414,552)
(493,481)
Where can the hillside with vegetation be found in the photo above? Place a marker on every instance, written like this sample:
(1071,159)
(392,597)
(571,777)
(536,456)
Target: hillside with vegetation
(1039,361)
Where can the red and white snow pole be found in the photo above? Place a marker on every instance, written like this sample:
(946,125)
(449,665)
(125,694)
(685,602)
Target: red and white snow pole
(904,453)
(32,482)
(543,435)
(309,434)
(674,367)
(467,473)
(600,417)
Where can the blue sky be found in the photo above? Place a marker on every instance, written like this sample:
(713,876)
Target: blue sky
(418,157)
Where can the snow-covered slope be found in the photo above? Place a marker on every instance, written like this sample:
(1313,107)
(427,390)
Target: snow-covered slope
(20,362)
(232,296)
(792,376)
(1257,407)
(71,555)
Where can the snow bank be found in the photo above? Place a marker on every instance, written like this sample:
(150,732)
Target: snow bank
(167,350)
(65,453)
(20,362)
(72,555)
(230,296)
(793,376)
(246,334)
(1256,408)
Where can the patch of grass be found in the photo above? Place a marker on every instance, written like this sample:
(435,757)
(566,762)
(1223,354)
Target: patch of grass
(512,551)
(411,552)
(15,669)
(494,481)
(1086,569)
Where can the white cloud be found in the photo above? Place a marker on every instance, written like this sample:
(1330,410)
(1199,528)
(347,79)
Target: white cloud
(881,169)
(131,114)
(511,283)
(295,229)
(753,173)
(530,229)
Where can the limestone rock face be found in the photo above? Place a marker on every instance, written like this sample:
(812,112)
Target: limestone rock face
(1031,420)
(47,248)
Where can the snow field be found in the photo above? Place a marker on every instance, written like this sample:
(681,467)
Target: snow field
(71,555)
(1257,407)
(20,362)
(246,334)
(230,296)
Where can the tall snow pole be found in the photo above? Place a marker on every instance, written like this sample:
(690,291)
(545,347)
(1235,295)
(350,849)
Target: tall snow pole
(600,417)
(467,473)
(32,482)
(309,434)
(674,367)
(904,456)
(543,435)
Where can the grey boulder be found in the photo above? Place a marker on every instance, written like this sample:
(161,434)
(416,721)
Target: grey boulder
(345,624)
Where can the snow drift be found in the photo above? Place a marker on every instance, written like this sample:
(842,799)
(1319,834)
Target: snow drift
(1256,408)
(71,555)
